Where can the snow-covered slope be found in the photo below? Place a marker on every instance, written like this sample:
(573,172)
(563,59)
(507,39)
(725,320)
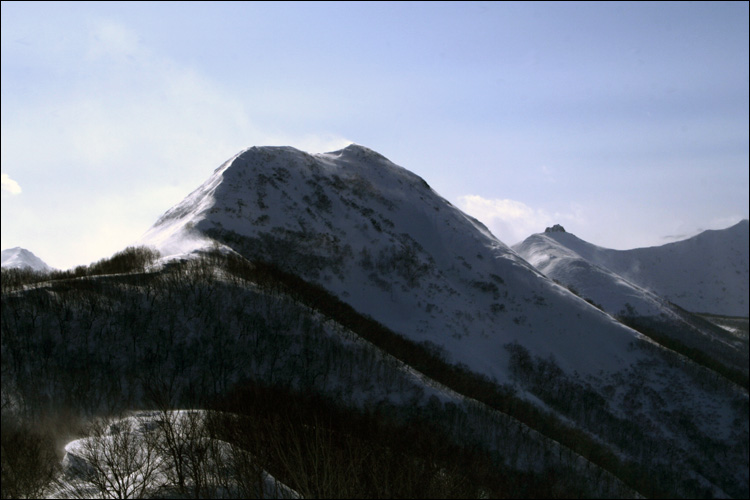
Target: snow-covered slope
(611,291)
(20,258)
(379,238)
(552,252)
(706,273)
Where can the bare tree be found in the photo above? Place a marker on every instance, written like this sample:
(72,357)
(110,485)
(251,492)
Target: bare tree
(120,459)
(197,464)
(240,472)
(29,463)
(190,456)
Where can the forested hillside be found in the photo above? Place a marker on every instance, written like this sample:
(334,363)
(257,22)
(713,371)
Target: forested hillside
(311,380)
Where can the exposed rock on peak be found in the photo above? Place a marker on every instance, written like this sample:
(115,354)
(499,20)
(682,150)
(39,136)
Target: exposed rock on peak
(557,228)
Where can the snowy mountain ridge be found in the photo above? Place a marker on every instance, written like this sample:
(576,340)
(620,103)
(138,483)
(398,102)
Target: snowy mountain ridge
(606,288)
(707,273)
(556,254)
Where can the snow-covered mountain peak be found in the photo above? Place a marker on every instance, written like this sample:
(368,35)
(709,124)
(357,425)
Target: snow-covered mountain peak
(359,151)
(331,185)
(562,241)
(377,236)
(20,258)
(705,273)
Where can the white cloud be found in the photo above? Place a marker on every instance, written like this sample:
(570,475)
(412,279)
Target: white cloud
(9,185)
(513,221)
(143,111)
(110,39)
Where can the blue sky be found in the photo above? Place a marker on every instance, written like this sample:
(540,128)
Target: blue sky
(627,123)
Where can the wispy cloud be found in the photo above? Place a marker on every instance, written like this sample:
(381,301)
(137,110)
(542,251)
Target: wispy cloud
(677,237)
(513,221)
(9,186)
(111,39)
(688,230)
(131,134)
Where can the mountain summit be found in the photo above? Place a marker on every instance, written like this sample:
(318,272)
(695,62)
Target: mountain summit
(378,238)
(557,228)
(20,258)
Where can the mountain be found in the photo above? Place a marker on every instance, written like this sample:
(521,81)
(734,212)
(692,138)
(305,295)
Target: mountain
(380,239)
(377,237)
(707,273)
(560,256)
(547,253)
(344,280)
(20,258)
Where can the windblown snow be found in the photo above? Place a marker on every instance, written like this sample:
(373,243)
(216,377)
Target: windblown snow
(707,273)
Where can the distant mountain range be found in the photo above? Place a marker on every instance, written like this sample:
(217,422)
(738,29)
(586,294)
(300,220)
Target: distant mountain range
(633,286)
(707,273)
